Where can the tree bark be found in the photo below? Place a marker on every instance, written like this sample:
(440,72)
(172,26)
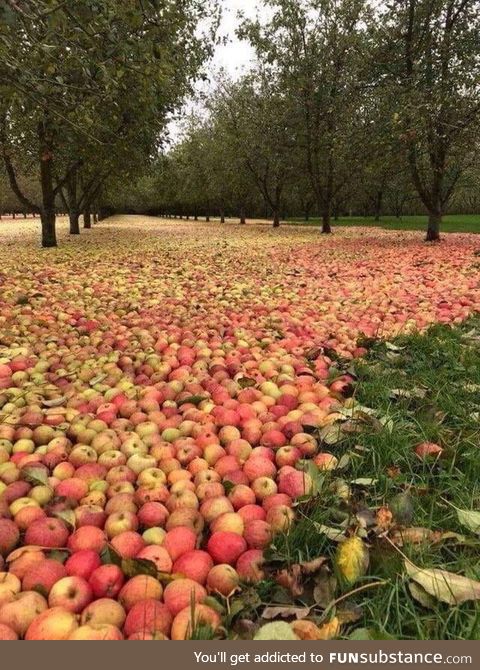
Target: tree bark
(87,217)
(74,217)
(378,205)
(207,218)
(243,219)
(276,219)
(222,216)
(433,228)
(49,237)
(326,225)
(48,215)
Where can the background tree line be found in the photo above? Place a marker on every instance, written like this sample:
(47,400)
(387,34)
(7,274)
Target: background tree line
(351,108)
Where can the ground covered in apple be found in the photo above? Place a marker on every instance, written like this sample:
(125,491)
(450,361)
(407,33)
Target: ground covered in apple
(229,431)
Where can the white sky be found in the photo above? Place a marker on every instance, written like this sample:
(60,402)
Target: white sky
(234,56)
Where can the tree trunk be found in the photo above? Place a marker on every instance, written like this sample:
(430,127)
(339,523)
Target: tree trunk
(74,217)
(207,219)
(276,219)
(222,216)
(243,218)
(87,218)
(433,228)
(95,216)
(378,205)
(49,237)
(326,226)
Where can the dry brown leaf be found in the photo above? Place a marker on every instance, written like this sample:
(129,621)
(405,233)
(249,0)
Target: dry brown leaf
(285,612)
(414,535)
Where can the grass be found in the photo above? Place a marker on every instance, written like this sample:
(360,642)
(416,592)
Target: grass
(452,223)
(438,374)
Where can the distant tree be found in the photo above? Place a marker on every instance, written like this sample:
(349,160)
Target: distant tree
(314,48)
(62,64)
(429,61)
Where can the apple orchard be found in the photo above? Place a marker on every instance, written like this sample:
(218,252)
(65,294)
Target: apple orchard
(166,395)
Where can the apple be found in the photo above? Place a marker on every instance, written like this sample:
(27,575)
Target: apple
(103,611)
(120,522)
(223,579)
(194,564)
(87,537)
(179,540)
(9,536)
(287,455)
(258,534)
(295,484)
(138,588)
(105,632)
(128,543)
(252,513)
(82,563)
(276,500)
(188,517)
(158,555)
(154,536)
(56,623)
(259,466)
(22,559)
(226,547)
(263,487)
(181,592)
(19,613)
(249,565)
(230,522)
(43,575)
(90,515)
(71,593)
(10,585)
(325,461)
(7,633)
(106,581)
(280,518)
(188,619)
(212,508)
(241,495)
(47,532)
(150,616)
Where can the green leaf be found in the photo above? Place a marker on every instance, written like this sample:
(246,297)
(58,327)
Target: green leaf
(35,475)
(275,631)
(193,400)
(131,567)
(109,555)
(470,519)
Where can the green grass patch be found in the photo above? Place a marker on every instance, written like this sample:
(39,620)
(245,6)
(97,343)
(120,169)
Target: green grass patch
(452,223)
(423,388)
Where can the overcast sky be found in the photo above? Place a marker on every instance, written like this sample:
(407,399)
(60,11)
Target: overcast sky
(234,56)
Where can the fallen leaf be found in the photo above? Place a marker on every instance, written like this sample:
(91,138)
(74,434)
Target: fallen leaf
(469,518)
(352,559)
(421,596)
(445,586)
(285,612)
(307,630)
(278,630)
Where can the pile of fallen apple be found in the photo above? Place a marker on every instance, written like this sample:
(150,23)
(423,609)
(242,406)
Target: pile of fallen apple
(118,511)
(158,395)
